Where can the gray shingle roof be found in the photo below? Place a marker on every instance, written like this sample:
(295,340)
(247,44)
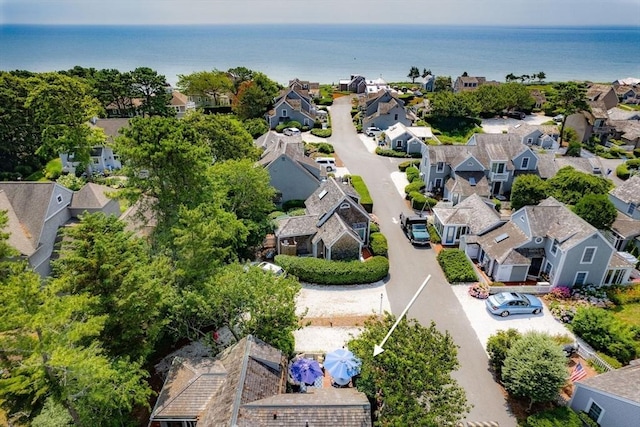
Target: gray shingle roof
(332,229)
(621,382)
(473,212)
(504,249)
(111,127)
(629,191)
(334,192)
(626,226)
(547,166)
(462,184)
(91,196)
(297,226)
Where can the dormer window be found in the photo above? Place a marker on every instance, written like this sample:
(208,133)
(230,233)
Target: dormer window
(440,167)
(345,206)
(525,163)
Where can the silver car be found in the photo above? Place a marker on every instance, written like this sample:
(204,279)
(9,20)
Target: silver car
(506,303)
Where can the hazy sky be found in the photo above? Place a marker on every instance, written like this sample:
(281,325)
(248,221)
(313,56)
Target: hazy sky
(478,12)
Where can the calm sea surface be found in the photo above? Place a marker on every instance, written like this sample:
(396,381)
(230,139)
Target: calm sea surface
(328,53)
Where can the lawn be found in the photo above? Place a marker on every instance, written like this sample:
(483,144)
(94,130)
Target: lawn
(628,313)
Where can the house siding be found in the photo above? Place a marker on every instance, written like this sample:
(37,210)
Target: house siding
(571,262)
(617,412)
(344,249)
(624,207)
(470,164)
(291,181)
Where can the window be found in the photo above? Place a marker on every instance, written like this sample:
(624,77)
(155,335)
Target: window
(581,278)
(632,207)
(59,198)
(547,268)
(469,163)
(529,141)
(395,117)
(525,163)
(595,411)
(588,255)
(440,167)
(497,167)
(345,206)
(554,247)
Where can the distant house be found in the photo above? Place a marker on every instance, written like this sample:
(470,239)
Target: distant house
(543,136)
(335,226)
(311,88)
(549,241)
(611,399)
(355,84)
(626,227)
(539,97)
(181,103)
(601,99)
(469,83)
(292,105)
(37,210)
(486,165)
(628,94)
(429,83)
(376,85)
(244,386)
(473,216)
(384,110)
(294,175)
(408,138)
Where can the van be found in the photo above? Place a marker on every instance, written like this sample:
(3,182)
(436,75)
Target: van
(291,131)
(328,162)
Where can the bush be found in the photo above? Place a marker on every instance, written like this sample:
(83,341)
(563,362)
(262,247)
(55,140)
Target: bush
(321,147)
(415,187)
(297,212)
(292,204)
(404,165)
(325,272)
(365,198)
(373,228)
(321,133)
(479,290)
(498,204)
(622,172)
(379,244)
(433,233)
(624,294)
(456,266)
(561,416)
(386,152)
(601,330)
(413,174)
(419,201)
(53,169)
(71,182)
(498,346)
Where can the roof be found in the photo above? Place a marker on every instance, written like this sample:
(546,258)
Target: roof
(332,229)
(469,183)
(297,226)
(111,127)
(623,115)
(621,382)
(473,212)
(628,129)
(346,407)
(626,226)
(547,166)
(91,196)
(502,248)
(334,192)
(629,191)
(178,98)
(485,147)
(581,164)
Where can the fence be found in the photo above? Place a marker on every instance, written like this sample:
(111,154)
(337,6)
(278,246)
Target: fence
(587,353)
(527,289)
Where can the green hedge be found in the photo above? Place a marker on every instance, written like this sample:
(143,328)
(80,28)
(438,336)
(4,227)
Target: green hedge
(413,174)
(373,228)
(324,272)
(415,186)
(433,234)
(320,147)
(292,204)
(379,244)
(419,201)
(622,172)
(394,153)
(456,266)
(557,417)
(321,133)
(404,165)
(604,332)
(365,198)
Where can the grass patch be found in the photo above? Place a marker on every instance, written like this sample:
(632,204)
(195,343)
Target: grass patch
(454,130)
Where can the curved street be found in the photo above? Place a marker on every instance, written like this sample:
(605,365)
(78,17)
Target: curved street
(410,265)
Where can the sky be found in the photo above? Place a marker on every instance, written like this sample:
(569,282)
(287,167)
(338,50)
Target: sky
(430,12)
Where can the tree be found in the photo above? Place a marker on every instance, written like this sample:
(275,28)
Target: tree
(256,127)
(516,96)
(510,78)
(597,210)
(225,135)
(498,346)
(254,97)
(410,382)
(443,84)
(448,104)
(151,87)
(425,73)
(540,76)
(206,84)
(569,185)
(414,73)
(535,368)
(570,98)
(527,190)
(113,88)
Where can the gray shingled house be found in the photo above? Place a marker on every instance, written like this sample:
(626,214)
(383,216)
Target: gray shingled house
(549,241)
(36,210)
(611,399)
(244,386)
(292,105)
(293,175)
(471,217)
(626,227)
(335,226)
(383,111)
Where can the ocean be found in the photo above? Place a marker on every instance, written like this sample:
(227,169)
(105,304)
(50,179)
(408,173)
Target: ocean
(328,53)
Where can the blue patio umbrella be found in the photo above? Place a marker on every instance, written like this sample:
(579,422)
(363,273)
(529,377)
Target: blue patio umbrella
(342,365)
(305,371)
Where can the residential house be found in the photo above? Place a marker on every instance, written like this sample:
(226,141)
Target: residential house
(543,136)
(539,97)
(408,138)
(245,386)
(429,83)
(292,105)
(355,84)
(627,94)
(474,216)
(335,226)
(181,103)
(469,83)
(294,175)
(311,88)
(384,110)
(600,98)
(626,227)
(37,210)
(373,86)
(549,241)
(486,165)
(611,399)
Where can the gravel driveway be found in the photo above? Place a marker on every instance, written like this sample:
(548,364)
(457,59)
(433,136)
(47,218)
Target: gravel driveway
(498,125)
(486,324)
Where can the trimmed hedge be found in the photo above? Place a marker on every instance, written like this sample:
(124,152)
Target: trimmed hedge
(378,244)
(404,165)
(557,417)
(321,133)
(373,228)
(419,201)
(415,186)
(324,272)
(413,174)
(292,204)
(365,198)
(394,153)
(622,172)
(433,234)
(456,266)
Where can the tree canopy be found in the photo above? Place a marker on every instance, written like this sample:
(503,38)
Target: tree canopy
(569,98)
(597,210)
(210,84)
(410,382)
(527,189)
(570,185)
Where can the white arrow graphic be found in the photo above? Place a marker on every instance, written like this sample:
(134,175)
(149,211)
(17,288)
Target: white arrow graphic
(377,349)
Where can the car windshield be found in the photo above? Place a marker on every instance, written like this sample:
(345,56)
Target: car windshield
(500,298)
(419,227)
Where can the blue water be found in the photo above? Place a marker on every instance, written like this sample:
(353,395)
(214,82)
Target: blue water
(328,53)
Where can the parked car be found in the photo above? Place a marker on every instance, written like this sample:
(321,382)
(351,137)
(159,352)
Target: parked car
(291,131)
(515,115)
(275,269)
(328,162)
(415,228)
(373,131)
(558,119)
(506,303)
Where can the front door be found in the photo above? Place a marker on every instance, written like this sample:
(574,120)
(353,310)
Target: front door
(534,268)
(496,187)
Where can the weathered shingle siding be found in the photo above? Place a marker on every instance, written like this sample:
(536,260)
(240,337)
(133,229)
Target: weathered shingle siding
(617,413)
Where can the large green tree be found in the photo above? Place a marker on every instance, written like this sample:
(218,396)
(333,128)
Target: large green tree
(206,84)
(255,93)
(151,88)
(114,88)
(535,368)
(570,98)
(569,185)
(448,104)
(597,210)
(414,73)
(527,190)
(410,382)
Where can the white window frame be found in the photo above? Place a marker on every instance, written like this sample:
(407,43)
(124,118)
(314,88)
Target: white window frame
(438,183)
(554,247)
(440,169)
(588,408)
(575,279)
(59,198)
(525,163)
(496,166)
(593,255)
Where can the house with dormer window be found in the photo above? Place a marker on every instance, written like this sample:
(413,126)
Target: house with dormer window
(626,227)
(383,110)
(292,105)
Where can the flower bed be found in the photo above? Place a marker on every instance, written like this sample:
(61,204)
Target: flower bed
(479,290)
(563,302)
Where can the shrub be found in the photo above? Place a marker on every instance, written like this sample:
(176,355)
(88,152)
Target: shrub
(456,266)
(498,204)
(321,133)
(586,420)
(276,214)
(479,290)
(404,165)
(297,212)
(379,244)
(622,172)
(53,169)
(419,201)
(415,186)
(433,233)
(498,346)
(373,228)
(561,416)
(71,182)
(559,293)
(325,272)
(624,294)
(292,204)
(394,153)
(413,174)
(365,198)
(601,330)
(321,147)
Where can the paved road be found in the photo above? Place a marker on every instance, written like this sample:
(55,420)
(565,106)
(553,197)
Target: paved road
(409,267)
